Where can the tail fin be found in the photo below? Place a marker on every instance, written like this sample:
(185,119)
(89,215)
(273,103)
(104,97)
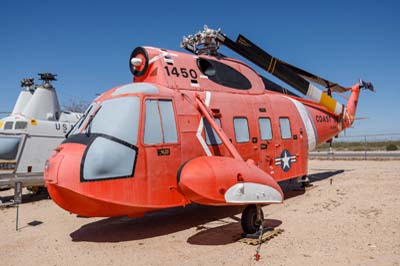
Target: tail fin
(351,106)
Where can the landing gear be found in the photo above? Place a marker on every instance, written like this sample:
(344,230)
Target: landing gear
(305,181)
(252,219)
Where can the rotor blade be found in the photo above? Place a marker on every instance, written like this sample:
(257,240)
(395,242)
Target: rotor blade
(252,52)
(361,118)
(264,60)
(272,86)
(334,87)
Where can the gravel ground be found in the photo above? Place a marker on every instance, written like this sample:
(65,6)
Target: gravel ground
(351,216)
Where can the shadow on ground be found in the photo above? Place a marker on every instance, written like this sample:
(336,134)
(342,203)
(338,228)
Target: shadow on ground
(27,197)
(177,219)
(224,234)
(291,188)
(153,224)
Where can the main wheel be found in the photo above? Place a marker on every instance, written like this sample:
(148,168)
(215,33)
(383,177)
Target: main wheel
(249,221)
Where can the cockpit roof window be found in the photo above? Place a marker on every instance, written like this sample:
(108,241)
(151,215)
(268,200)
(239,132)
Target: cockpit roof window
(119,118)
(223,74)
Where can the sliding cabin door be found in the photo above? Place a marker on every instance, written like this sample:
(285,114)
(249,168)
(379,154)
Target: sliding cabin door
(162,150)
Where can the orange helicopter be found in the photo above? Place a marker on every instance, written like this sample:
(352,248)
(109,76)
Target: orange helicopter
(196,128)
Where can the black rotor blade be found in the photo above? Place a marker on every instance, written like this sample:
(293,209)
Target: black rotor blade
(272,86)
(316,79)
(272,65)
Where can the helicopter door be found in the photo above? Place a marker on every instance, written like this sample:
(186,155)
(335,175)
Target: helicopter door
(162,149)
(287,148)
(267,151)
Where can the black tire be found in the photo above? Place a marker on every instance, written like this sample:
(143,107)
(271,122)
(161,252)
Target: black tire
(249,222)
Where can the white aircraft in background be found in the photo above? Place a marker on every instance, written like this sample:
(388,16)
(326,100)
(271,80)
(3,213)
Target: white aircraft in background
(31,132)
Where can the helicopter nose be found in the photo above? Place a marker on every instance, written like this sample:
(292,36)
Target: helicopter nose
(62,171)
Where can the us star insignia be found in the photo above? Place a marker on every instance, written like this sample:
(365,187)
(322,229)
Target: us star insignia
(286,160)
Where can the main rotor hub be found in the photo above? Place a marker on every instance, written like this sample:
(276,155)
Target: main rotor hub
(27,82)
(203,42)
(47,78)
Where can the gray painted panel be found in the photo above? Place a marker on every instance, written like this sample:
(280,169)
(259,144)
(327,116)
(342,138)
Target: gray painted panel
(106,159)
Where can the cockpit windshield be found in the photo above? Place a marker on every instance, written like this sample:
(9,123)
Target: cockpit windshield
(118,118)
(113,128)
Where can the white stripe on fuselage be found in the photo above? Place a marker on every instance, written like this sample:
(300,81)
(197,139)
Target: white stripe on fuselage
(307,123)
(201,125)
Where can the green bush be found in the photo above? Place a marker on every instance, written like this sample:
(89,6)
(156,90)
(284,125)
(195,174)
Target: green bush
(391,147)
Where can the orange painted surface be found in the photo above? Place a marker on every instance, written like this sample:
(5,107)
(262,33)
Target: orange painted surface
(154,183)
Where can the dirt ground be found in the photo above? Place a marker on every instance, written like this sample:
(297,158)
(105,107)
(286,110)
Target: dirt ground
(351,216)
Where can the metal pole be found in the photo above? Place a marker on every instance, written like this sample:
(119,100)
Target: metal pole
(365,147)
(17,201)
(16,221)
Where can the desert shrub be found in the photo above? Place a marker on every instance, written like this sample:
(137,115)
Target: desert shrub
(391,147)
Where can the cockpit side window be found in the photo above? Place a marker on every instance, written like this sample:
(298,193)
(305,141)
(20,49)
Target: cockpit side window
(168,121)
(160,124)
(152,130)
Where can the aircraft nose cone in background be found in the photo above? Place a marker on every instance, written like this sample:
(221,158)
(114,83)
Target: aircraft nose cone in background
(9,147)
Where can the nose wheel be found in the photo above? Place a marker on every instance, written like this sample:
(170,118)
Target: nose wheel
(252,219)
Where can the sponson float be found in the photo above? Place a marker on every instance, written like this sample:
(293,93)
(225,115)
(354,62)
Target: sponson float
(197,127)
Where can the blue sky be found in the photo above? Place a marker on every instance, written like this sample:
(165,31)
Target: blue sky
(88,43)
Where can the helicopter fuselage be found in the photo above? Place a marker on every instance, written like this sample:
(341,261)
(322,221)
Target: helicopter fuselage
(126,155)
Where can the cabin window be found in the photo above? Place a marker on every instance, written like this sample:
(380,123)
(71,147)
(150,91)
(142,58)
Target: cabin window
(211,136)
(118,117)
(265,128)
(21,125)
(284,124)
(8,125)
(160,125)
(223,74)
(241,129)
